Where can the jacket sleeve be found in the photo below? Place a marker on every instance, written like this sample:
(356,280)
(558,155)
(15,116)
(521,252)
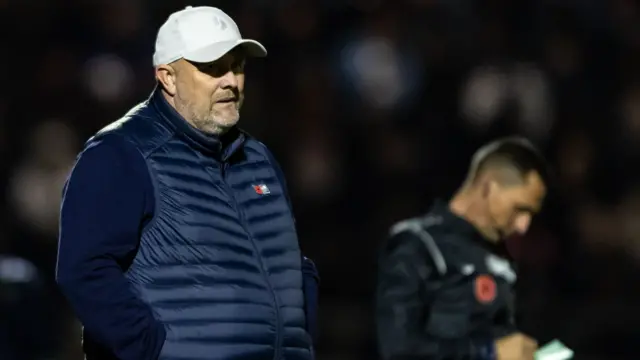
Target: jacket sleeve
(105,203)
(407,286)
(505,320)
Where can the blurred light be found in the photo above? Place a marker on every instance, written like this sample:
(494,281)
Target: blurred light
(36,184)
(531,89)
(484,96)
(317,171)
(16,270)
(53,142)
(109,78)
(631,113)
(490,89)
(376,71)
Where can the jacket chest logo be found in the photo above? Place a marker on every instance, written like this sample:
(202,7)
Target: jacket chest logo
(261,189)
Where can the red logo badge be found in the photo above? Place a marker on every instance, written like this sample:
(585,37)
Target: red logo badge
(485,289)
(261,189)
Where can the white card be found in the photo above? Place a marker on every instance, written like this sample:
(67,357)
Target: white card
(554,350)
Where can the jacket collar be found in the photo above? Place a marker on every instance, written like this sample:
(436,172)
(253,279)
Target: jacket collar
(453,221)
(463,227)
(220,147)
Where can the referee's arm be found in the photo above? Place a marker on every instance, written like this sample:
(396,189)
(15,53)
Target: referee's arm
(403,303)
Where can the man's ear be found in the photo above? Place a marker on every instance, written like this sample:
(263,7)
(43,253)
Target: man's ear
(489,186)
(166,76)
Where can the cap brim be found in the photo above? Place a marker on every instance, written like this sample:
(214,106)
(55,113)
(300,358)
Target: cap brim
(215,51)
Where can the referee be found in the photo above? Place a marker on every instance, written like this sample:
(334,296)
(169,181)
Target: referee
(444,283)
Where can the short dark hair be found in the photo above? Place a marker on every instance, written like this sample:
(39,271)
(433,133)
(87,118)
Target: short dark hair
(512,153)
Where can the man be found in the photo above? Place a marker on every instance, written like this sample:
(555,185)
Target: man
(177,240)
(444,287)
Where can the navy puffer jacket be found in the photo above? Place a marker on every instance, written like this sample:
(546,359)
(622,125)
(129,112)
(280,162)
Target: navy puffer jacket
(218,263)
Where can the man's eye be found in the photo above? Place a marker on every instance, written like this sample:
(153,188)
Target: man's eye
(206,67)
(525,210)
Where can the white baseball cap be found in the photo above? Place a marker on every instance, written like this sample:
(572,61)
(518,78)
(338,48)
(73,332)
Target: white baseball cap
(200,34)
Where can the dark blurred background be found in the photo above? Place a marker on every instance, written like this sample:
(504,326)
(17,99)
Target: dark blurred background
(374,108)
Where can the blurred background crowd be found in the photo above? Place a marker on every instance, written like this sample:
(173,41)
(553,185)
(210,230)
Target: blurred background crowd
(374,108)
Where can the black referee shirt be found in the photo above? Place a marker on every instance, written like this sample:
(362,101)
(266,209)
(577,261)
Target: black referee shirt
(443,291)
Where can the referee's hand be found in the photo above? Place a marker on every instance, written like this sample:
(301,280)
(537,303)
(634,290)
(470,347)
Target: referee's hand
(517,346)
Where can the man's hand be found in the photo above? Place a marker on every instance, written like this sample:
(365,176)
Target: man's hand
(516,347)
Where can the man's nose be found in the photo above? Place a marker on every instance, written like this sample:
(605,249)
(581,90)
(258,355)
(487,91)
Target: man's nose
(229,80)
(522,224)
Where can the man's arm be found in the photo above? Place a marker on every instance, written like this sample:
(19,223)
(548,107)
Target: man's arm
(505,323)
(401,302)
(106,200)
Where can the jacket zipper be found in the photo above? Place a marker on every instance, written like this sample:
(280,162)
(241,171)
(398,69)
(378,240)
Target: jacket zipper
(245,225)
